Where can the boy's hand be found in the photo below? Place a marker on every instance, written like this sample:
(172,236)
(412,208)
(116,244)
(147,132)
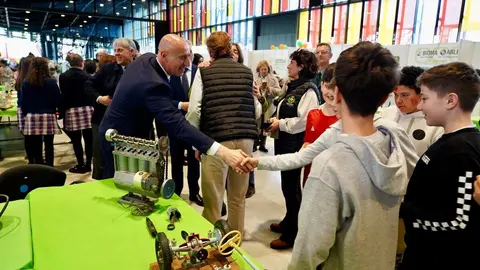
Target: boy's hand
(476,191)
(250,163)
(304,145)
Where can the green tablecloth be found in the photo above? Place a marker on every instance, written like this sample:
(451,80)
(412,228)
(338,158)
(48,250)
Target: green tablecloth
(9,112)
(15,237)
(83,227)
(476,120)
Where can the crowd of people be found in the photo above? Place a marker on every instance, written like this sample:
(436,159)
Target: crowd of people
(365,169)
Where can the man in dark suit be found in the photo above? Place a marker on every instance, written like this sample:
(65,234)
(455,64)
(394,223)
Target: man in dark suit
(180,87)
(100,89)
(144,93)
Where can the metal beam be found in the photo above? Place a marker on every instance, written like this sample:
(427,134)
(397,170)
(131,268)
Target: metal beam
(103,16)
(46,16)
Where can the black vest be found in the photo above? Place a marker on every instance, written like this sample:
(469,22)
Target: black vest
(228,110)
(289,109)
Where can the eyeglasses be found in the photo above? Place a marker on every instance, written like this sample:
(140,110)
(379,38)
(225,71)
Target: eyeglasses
(323,52)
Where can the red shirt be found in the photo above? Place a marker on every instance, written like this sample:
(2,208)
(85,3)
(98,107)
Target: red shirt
(317,123)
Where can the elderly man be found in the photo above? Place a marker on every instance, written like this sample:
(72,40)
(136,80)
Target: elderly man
(100,54)
(100,88)
(323,52)
(144,93)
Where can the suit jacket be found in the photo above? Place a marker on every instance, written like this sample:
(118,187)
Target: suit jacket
(179,94)
(103,83)
(72,84)
(143,94)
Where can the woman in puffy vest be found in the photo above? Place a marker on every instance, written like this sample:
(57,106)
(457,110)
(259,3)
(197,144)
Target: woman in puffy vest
(290,122)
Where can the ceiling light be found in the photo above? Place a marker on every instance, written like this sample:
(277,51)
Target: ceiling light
(27,19)
(54,29)
(62,15)
(71,2)
(66,6)
(118,13)
(84,21)
(133,4)
(124,7)
(27,11)
(25,28)
(101,37)
(89,17)
(143,0)
(101,5)
(106,28)
(26,24)
(56,25)
(81,25)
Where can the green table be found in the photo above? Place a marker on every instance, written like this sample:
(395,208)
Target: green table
(15,237)
(83,227)
(476,120)
(12,112)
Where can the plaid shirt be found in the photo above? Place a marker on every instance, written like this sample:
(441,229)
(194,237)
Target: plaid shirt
(41,124)
(78,118)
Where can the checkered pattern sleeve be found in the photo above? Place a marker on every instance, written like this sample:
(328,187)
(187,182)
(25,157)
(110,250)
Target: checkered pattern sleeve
(451,199)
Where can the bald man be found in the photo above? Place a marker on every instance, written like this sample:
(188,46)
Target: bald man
(144,93)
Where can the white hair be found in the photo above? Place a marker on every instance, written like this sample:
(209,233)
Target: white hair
(125,43)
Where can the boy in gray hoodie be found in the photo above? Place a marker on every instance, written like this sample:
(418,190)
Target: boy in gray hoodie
(349,213)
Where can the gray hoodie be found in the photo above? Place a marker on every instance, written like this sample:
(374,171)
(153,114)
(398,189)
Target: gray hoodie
(350,205)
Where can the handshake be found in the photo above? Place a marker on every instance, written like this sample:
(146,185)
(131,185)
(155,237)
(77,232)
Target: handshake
(237,159)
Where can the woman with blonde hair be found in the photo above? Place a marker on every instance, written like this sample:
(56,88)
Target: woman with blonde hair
(269,89)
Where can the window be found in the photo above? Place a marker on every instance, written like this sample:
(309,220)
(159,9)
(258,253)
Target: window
(387,21)
(315,16)
(448,21)
(327,24)
(471,21)
(354,23)
(370,21)
(340,22)
(425,21)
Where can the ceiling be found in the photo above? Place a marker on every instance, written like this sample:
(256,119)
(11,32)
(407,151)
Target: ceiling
(78,18)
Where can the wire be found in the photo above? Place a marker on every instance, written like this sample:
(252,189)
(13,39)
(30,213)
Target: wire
(7,200)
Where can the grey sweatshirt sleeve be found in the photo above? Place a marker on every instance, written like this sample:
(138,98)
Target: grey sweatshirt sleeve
(303,157)
(317,224)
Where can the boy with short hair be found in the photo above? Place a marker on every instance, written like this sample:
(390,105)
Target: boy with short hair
(349,213)
(441,218)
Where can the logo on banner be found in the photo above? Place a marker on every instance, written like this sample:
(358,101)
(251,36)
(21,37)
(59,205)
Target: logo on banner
(437,56)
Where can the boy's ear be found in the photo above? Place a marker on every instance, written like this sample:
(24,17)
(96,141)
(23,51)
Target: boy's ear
(337,96)
(451,101)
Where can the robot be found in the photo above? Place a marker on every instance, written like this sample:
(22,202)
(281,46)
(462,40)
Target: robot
(221,238)
(141,169)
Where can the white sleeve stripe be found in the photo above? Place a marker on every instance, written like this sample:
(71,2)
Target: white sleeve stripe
(462,210)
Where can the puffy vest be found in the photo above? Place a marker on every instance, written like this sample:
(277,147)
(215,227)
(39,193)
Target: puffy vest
(228,110)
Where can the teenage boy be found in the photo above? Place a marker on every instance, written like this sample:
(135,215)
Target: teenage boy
(441,218)
(349,213)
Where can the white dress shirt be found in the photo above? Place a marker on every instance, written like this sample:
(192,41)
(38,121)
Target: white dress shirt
(195,107)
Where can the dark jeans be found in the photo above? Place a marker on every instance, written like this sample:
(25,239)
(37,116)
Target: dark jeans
(34,149)
(177,151)
(76,137)
(291,190)
(97,172)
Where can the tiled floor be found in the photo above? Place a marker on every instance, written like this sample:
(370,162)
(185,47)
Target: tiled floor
(266,206)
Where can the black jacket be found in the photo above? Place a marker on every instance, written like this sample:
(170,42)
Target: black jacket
(102,84)
(72,84)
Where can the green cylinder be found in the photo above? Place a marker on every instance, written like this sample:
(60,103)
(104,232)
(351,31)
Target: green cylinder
(123,163)
(132,164)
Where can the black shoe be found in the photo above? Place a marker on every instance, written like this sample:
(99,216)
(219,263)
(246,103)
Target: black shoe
(250,192)
(224,209)
(78,169)
(197,199)
(263,149)
(87,167)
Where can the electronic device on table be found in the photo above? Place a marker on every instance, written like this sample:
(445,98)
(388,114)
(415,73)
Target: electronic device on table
(195,251)
(141,169)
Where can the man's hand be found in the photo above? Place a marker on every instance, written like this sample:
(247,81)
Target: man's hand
(105,100)
(233,158)
(476,192)
(250,163)
(185,106)
(198,155)
(275,124)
